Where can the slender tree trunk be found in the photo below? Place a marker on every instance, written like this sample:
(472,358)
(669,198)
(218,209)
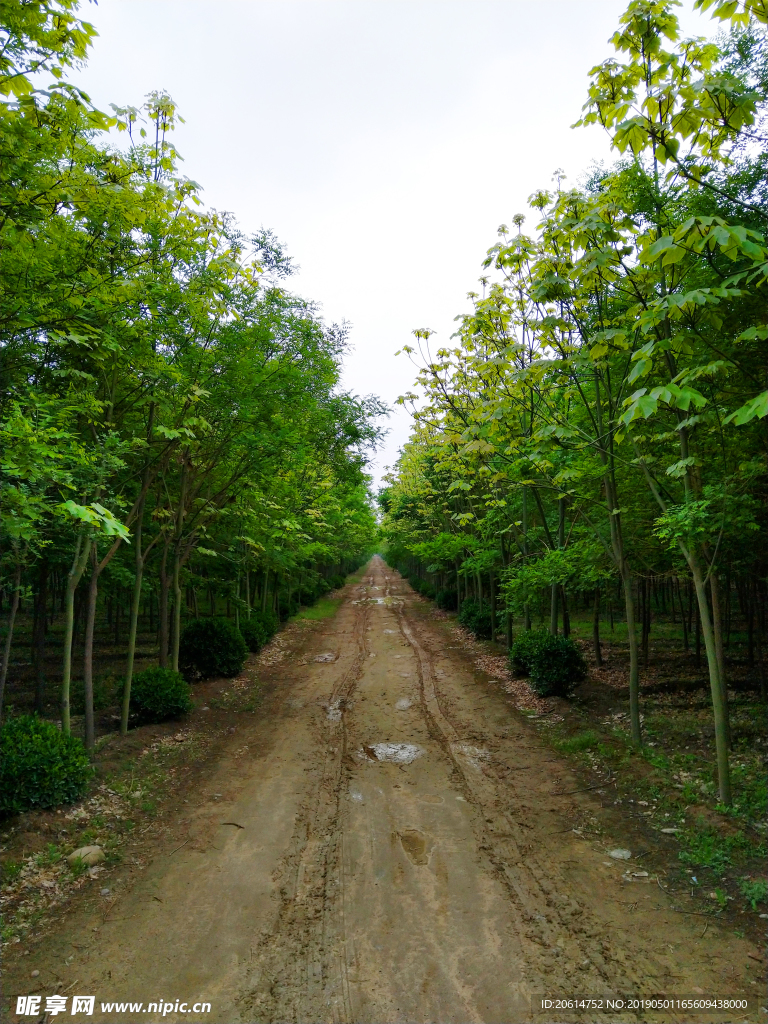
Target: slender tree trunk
(717,628)
(683,618)
(176,630)
(493,605)
(90,624)
(163,610)
(554,592)
(9,638)
(566,614)
(596,628)
(79,562)
(134,624)
(38,634)
(718,706)
(634,670)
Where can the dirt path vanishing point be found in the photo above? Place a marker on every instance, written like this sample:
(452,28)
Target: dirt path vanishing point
(405,854)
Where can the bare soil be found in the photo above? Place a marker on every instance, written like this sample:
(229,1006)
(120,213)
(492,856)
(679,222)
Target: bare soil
(388,839)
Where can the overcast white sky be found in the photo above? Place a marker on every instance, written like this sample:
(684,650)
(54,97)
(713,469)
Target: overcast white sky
(383,141)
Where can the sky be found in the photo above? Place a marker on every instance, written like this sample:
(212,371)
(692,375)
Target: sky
(383,141)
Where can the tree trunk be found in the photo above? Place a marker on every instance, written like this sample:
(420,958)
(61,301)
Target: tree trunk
(134,624)
(634,671)
(176,629)
(683,618)
(163,611)
(9,638)
(566,614)
(90,625)
(553,596)
(596,628)
(717,628)
(38,634)
(79,562)
(718,707)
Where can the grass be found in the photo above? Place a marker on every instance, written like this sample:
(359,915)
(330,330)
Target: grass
(674,777)
(754,891)
(581,741)
(324,608)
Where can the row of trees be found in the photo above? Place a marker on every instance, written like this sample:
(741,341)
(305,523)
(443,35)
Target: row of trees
(601,420)
(170,415)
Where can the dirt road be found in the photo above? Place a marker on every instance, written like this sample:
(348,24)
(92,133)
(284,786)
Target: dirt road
(405,854)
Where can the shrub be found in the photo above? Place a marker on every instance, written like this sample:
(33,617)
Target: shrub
(477,618)
(254,633)
(211,647)
(39,765)
(448,600)
(524,649)
(556,666)
(286,608)
(259,629)
(160,693)
(337,582)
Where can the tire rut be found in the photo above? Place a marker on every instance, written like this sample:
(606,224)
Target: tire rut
(296,966)
(530,885)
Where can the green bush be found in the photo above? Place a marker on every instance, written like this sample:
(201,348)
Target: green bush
(477,618)
(39,766)
(211,647)
(448,600)
(524,648)
(160,693)
(556,666)
(286,608)
(254,632)
(259,629)
(337,582)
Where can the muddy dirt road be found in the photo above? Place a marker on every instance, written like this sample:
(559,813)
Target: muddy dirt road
(405,854)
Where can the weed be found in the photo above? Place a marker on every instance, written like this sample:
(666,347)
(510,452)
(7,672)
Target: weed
(49,856)
(754,891)
(11,870)
(581,741)
(707,847)
(77,868)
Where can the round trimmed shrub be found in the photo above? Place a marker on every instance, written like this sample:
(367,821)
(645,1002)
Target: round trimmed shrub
(477,618)
(39,765)
(448,600)
(524,649)
(556,666)
(160,693)
(254,632)
(259,629)
(211,647)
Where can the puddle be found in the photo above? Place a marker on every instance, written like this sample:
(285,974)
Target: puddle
(432,798)
(403,704)
(391,631)
(396,753)
(414,844)
(328,656)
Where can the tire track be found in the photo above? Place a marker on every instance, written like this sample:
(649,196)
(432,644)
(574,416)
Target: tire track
(296,966)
